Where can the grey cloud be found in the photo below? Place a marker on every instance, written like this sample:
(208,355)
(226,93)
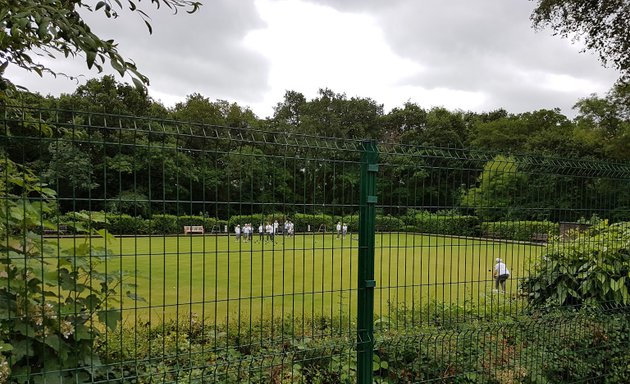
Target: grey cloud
(482,46)
(186,53)
(201,52)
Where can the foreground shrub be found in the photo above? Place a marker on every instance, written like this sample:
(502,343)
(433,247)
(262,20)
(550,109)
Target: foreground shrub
(53,299)
(445,343)
(592,267)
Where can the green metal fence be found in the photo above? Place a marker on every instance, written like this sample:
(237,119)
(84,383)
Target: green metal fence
(141,250)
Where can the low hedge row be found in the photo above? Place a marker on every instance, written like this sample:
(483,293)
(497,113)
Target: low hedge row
(423,222)
(519,230)
(122,224)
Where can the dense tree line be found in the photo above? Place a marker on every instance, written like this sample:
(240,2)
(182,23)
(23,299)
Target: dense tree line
(178,165)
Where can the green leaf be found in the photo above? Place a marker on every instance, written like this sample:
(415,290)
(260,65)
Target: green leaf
(137,83)
(90,57)
(22,348)
(106,235)
(110,317)
(54,342)
(82,332)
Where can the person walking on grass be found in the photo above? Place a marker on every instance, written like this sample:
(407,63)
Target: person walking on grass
(501,273)
(338,228)
(237,232)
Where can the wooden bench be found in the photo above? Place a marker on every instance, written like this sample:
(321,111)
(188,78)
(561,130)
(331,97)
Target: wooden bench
(540,237)
(190,229)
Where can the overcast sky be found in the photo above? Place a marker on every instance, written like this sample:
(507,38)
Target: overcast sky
(471,55)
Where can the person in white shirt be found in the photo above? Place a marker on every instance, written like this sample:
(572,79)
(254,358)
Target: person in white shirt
(344,230)
(291,228)
(338,228)
(270,232)
(237,231)
(261,232)
(246,230)
(501,273)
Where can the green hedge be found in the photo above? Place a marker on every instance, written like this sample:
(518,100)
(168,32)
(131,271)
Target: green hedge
(424,222)
(303,220)
(519,230)
(127,225)
(123,224)
(440,223)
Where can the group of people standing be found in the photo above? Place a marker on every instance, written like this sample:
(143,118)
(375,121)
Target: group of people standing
(245,232)
(270,230)
(342,229)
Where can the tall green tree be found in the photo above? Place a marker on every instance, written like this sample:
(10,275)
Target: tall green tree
(497,190)
(604,122)
(408,122)
(107,95)
(289,111)
(335,115)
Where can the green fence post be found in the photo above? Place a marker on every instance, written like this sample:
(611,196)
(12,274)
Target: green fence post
(366,284)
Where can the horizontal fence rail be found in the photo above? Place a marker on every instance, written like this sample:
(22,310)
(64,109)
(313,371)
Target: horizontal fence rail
(145,250)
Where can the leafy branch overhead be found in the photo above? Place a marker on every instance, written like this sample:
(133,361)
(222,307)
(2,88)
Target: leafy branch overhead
(601,25)
(31,30)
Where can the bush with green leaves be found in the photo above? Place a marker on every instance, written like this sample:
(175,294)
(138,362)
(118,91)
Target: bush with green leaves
(302,221)
(584,268)
(164,224)
(130,203)
(519,230)
(53,299)
(445,224)
(256,219)
(124,224)
(465,344)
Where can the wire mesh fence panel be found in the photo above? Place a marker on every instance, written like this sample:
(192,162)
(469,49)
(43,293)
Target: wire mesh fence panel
(193,253)
(486,266)
(144,250)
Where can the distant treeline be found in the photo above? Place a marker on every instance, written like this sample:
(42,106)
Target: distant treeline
(220,159)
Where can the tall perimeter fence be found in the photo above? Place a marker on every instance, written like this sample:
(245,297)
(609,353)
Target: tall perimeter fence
(139,251)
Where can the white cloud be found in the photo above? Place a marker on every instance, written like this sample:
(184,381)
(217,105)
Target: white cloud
(311,46)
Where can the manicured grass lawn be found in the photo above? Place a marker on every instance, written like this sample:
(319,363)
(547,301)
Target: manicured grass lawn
(222,279)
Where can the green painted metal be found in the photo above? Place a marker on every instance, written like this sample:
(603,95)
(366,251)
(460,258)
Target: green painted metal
(366,282)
